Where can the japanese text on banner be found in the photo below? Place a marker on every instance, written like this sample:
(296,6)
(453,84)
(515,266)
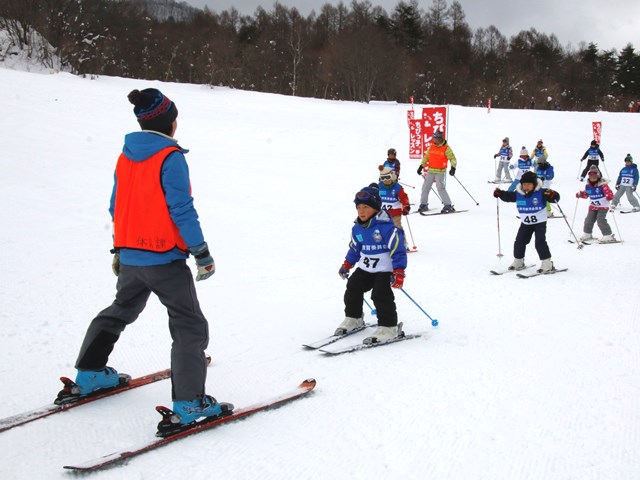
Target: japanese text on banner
(597,131)
(421,130)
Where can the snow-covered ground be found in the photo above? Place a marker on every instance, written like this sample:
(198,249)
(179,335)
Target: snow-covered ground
(523,379)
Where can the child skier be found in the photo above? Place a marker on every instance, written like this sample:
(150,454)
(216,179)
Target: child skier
(524,165)
(377,248)
(627,183)
(392,162)
(539,153)
(505,153)
(530,199)
(600,195)
(593,156)
(395,200)
(545,172)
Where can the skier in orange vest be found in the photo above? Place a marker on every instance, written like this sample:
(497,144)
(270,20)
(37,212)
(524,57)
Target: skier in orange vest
(435,160)
(156,227)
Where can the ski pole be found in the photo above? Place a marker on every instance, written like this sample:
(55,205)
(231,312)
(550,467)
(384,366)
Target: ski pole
(617,228)
(410,232)
(373,310)
(580,245)
(433,189)
(434,322)
(405,185)
(605,169)
(466,190)
(574,213)
(499,255)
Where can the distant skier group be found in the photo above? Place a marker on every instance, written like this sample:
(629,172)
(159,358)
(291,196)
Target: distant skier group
(530,191)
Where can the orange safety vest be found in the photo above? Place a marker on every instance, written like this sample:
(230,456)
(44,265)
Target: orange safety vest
(141,218)
(437,157)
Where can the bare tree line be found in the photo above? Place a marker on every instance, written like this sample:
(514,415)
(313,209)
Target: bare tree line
(357,52)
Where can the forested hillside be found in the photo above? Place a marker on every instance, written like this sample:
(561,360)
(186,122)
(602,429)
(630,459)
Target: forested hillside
(355,52)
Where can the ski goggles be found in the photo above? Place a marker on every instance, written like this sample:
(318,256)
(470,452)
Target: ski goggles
(363,196)
(388,176)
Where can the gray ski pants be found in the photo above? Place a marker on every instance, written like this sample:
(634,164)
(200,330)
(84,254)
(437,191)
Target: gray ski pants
(503,167)
(428,183)
(630,196)
(173,284)
(599,216)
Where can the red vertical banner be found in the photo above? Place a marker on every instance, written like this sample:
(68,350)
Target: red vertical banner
(597,131)
(421,130)
(433,119)
(415,136)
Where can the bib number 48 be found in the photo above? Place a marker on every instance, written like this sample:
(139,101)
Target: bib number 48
(530,219)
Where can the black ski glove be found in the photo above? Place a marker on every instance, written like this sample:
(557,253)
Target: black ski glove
(551,196)
(452,171)
(420,170)
(115,263)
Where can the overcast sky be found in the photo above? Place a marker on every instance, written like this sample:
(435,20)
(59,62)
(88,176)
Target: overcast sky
(609,24)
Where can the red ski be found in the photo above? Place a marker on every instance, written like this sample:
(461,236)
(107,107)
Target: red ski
(301,390)
(42,412)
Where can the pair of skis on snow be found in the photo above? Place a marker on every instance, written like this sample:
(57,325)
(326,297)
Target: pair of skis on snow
(433,214)
(594,241)
(324,345)
(208,423)
(527,275)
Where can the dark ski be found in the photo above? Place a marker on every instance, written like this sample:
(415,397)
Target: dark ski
(502,272)
(555,270)
(595,241)
(425,214)
(304,388)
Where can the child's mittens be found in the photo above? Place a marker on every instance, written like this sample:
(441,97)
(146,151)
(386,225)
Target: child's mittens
(497,192)
(344,270)
(397,279)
